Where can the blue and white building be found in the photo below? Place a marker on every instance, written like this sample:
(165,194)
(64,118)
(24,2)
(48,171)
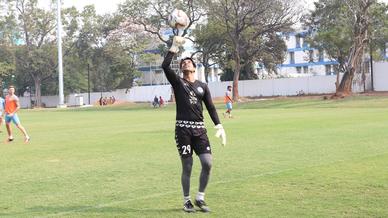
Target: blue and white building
(303,60)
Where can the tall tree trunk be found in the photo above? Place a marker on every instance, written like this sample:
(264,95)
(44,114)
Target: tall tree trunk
(207,70)
(337,80)
(353,66)
(357,50)
(38,95)
(345,87)
(205,61)
(236,74)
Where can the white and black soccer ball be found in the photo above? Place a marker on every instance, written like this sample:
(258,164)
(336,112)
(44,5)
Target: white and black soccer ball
(178,19)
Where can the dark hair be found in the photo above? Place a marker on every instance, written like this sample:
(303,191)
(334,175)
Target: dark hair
(187,58)
(11,87)
(229,87)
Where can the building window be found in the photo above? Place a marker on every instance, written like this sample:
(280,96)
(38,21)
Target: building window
(292,58)
(305,44)
(320,55)
(305,69)
(335,69)
(299,70)
(328,70)
(311,55)
(297,41)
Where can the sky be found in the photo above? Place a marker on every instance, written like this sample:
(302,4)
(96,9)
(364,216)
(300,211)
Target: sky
(102,6)
(109,6)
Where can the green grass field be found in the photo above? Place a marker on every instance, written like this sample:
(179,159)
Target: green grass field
(285,158)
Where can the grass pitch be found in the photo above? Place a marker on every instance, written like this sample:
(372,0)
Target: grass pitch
(288,157)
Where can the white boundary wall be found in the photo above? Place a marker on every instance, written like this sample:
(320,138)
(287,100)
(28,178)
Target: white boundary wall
(147,93)
(279,87)
(135,94)
(247,88)
(380,76)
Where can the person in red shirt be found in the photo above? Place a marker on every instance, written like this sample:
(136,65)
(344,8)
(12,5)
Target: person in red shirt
(11,107)
(161,101)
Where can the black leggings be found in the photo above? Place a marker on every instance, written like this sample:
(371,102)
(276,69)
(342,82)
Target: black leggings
(187,164)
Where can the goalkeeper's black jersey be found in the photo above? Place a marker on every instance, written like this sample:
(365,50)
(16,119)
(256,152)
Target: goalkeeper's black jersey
(189,96)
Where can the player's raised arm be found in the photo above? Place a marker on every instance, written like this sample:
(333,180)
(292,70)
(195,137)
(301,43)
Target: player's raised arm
(166,65)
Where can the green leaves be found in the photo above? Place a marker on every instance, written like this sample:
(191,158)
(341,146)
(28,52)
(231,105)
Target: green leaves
(28,48)
(333,25)
(7,62)
(344,28)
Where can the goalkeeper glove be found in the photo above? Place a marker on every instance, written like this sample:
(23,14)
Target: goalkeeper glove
(221,133)
(177,41)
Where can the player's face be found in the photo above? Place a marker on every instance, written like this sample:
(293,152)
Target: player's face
(187,65)
(11,91)
(229,88)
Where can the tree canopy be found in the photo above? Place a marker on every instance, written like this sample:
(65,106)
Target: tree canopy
(343,29)
(28,49)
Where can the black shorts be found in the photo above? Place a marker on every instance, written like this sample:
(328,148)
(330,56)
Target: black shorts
(189,139)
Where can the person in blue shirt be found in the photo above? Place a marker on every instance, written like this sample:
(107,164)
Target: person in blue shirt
(2,107)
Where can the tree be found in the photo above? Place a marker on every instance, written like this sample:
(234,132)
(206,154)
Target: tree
(36,27)
(249,20)
(7,64)
(39,63)
(125,43)
(210,41)
(378,31)
(152,15)
(100,44)
(9,34)
(28,33)
(342,29)
(113,68)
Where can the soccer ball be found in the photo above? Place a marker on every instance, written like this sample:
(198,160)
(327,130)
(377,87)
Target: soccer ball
(178,19)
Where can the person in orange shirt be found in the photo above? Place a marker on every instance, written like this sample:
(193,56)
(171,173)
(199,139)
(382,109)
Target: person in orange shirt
(228,102)
(11,107)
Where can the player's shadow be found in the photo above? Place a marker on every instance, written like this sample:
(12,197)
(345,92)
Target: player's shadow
(71,210)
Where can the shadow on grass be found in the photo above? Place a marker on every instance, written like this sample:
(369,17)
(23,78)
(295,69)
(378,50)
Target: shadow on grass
(46,211)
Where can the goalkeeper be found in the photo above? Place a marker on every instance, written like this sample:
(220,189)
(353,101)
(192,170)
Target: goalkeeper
(190,132)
